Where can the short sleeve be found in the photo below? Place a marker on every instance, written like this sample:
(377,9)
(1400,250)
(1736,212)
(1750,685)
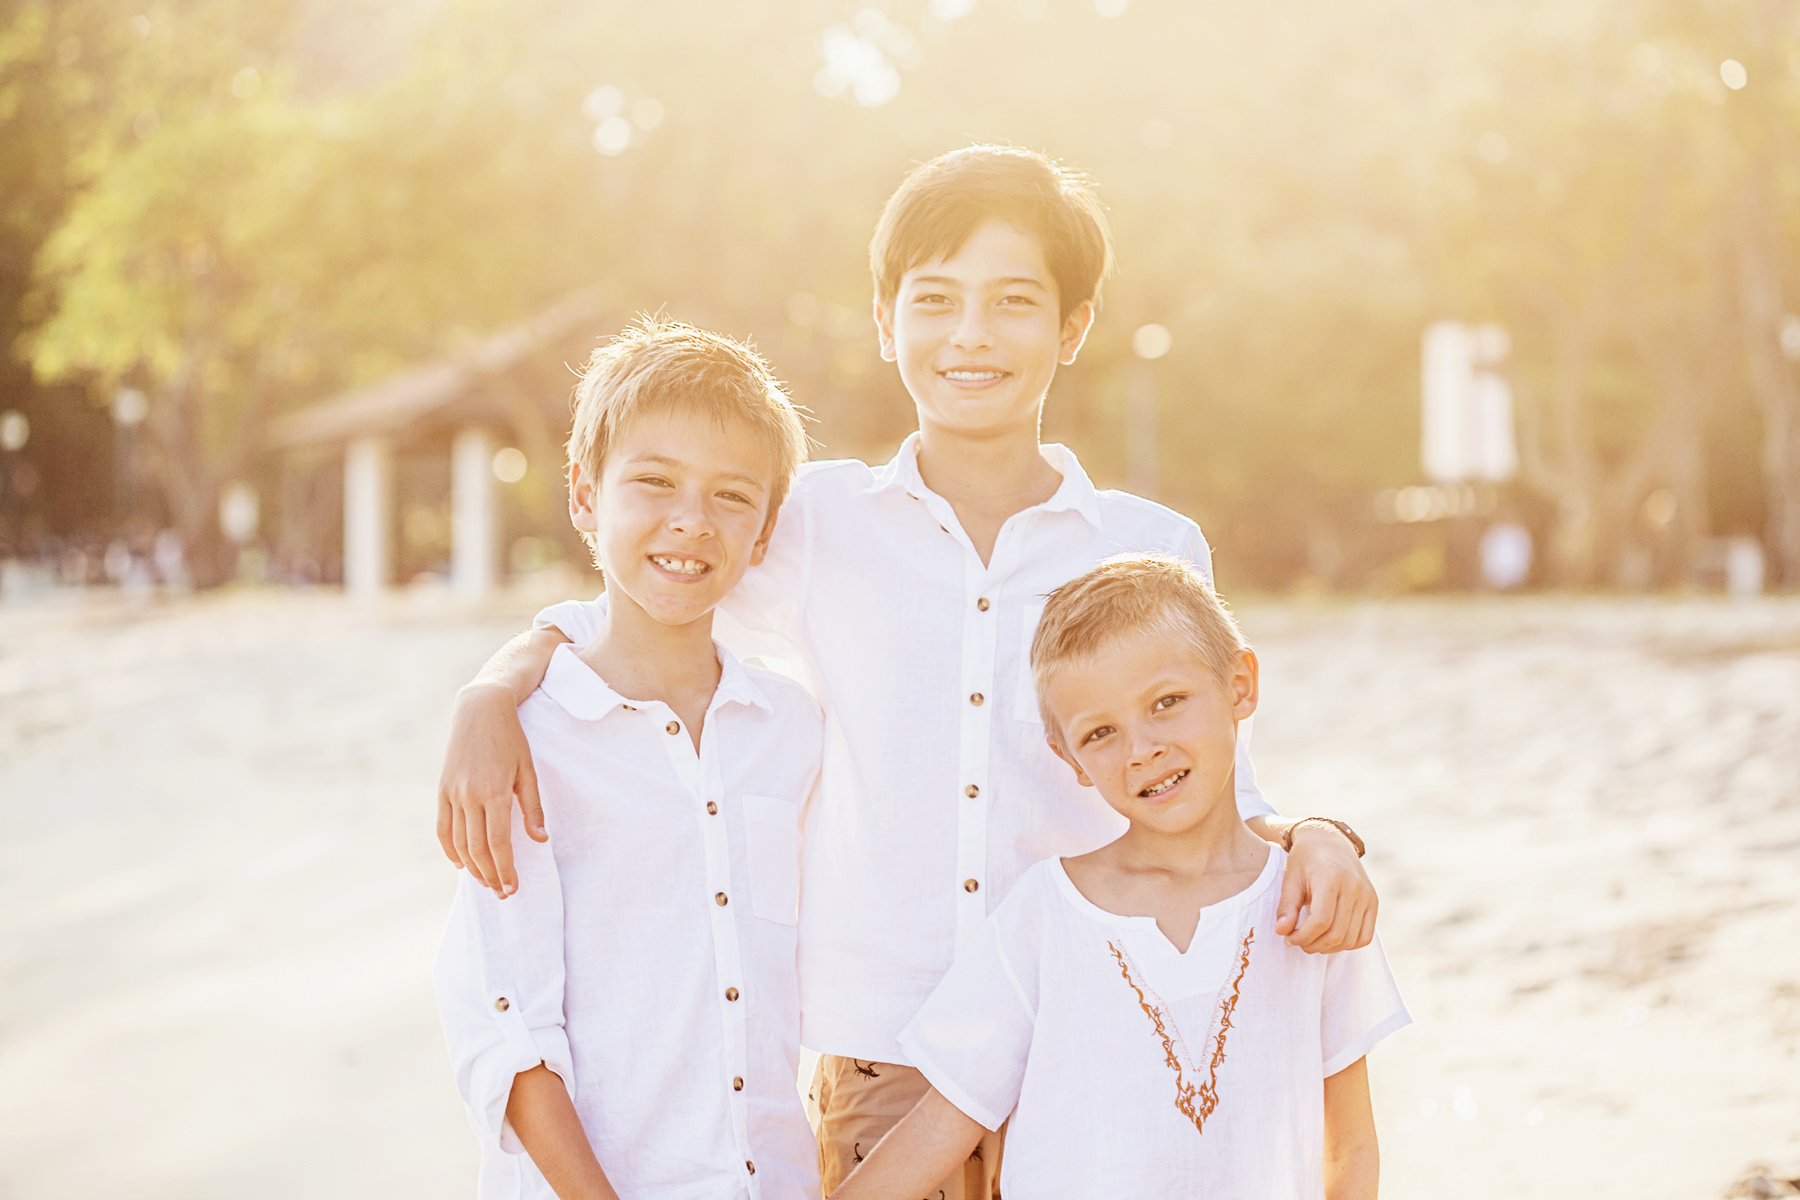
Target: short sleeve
(1361,1006)
(973,1035)
(1196,551)
(1250,801)
(762,613)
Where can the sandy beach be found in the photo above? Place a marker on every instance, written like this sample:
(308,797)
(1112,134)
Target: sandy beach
(1583,814)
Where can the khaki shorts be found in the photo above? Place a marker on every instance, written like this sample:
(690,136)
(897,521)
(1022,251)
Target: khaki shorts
(860,1101)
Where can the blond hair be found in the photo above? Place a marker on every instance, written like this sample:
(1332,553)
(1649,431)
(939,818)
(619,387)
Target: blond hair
(658,366)
(1133,593)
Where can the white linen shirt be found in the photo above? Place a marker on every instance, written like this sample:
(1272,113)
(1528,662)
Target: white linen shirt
(648,956)
(937,790)
(1072,1021)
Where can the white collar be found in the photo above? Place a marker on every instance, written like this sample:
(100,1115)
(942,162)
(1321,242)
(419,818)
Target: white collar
(1075,492)
(578,689)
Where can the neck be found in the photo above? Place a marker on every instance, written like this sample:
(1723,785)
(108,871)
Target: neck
(1000,471)
(643,659)
(1220,842)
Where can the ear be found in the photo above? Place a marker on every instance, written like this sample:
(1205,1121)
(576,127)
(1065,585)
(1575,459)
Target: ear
(761,546)
(884,331)
(1243,685)
(1074,332)
(583,498)
(1080,775)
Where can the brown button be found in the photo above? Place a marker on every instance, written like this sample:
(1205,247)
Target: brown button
(673,727)
(971,885)
(712,810)
(502,1004)
(976,698)
(971,791)
(982,604)
(749,1166)
(737,1084)
(731,993)
(629,707)
(720,900)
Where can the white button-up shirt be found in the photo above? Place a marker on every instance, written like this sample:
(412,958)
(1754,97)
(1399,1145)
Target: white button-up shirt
(937,790)
(648,957)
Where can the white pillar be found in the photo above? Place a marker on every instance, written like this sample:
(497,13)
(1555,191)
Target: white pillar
(473,528)
(368,493)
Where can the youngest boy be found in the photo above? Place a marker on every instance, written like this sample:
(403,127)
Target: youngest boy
(630,1020)
(1132,1011)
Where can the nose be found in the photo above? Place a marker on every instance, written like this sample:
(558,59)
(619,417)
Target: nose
(688,516)
(974,331)
(1146,748)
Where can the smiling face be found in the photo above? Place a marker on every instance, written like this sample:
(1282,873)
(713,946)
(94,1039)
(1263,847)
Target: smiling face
(978,335)
(1151,725)
(680,512)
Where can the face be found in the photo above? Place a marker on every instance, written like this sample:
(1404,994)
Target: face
(1153,728)
(978,335)
(679,512)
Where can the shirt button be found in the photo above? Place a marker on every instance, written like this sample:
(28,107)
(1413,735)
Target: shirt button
(749,1166)
(971,791)
(673,728)
(720,900)
(971,885)
(731,993)
(982,604)
(737,1084)
(628,707)
(502,1004)
(712,810)
(976,698)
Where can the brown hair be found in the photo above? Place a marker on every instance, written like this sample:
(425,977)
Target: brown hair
(1133,593)
(935,209)
(656,366)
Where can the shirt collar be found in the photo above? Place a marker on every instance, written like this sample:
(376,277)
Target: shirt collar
(578,689)
(1075,492)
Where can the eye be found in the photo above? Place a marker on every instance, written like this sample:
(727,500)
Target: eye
(653,481)
(1016,300)
(1167,702)
(736,498)
(931,298)
(1095,735)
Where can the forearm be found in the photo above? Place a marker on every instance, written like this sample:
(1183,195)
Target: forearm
(542,1115)
(516,668)
(1352,1155)
(916,1154)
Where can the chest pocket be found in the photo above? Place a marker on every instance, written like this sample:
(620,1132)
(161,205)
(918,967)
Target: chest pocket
(772,848)
(1025,705)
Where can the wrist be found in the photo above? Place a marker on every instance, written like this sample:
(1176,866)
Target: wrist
(1314,830)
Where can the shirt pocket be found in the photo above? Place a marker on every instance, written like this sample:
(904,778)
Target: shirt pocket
(772,848)
(1025,705)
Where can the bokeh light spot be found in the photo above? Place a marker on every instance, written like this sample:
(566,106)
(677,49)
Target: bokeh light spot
(647,113)
(952,10)
(1110,8)
(15,430)
(509,465)
(1790,336)
(245,83)
(612,135)
(603,102)
(1733,74)
(1151,341)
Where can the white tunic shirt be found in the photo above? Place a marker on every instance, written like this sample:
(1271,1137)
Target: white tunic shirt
(937,790)
(1131,1069)
(648,956)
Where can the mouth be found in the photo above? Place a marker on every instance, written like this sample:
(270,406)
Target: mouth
(1163,786)
(675,564)
(973,375)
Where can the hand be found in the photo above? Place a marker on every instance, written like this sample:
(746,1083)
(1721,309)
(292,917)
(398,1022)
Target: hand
(1325,876)
(486,765)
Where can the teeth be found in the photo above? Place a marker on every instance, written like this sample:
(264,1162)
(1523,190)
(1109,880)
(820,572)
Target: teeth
(1165,785)
(973,376)
(681,566)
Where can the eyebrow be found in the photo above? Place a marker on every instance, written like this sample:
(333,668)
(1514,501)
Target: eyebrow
(666,461)
(942,280)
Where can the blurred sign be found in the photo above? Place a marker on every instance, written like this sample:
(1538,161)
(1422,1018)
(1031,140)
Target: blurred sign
(1468,416)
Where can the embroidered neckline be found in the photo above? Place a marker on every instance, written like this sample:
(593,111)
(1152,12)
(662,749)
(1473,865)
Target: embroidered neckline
(1195,1102)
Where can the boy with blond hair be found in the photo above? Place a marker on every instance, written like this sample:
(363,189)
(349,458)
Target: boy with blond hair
(1130,1009)
(908,594)
(628,1025)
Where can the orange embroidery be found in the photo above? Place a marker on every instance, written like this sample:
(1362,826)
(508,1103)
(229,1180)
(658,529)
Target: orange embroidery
(1195,1102)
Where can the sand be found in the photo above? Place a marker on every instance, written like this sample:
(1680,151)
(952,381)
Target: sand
(1584,816)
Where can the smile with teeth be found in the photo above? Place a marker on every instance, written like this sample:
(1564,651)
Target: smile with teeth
(974,376)
(1158,789)
(680,566)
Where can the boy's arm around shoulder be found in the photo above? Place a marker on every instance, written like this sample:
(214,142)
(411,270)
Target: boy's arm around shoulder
(1352,1153)
(922,1149)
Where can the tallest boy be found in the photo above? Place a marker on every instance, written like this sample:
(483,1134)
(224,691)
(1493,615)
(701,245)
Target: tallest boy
(910,592)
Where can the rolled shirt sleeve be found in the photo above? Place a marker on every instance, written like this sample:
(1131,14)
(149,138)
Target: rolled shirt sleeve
(499,982)
(972,1038)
